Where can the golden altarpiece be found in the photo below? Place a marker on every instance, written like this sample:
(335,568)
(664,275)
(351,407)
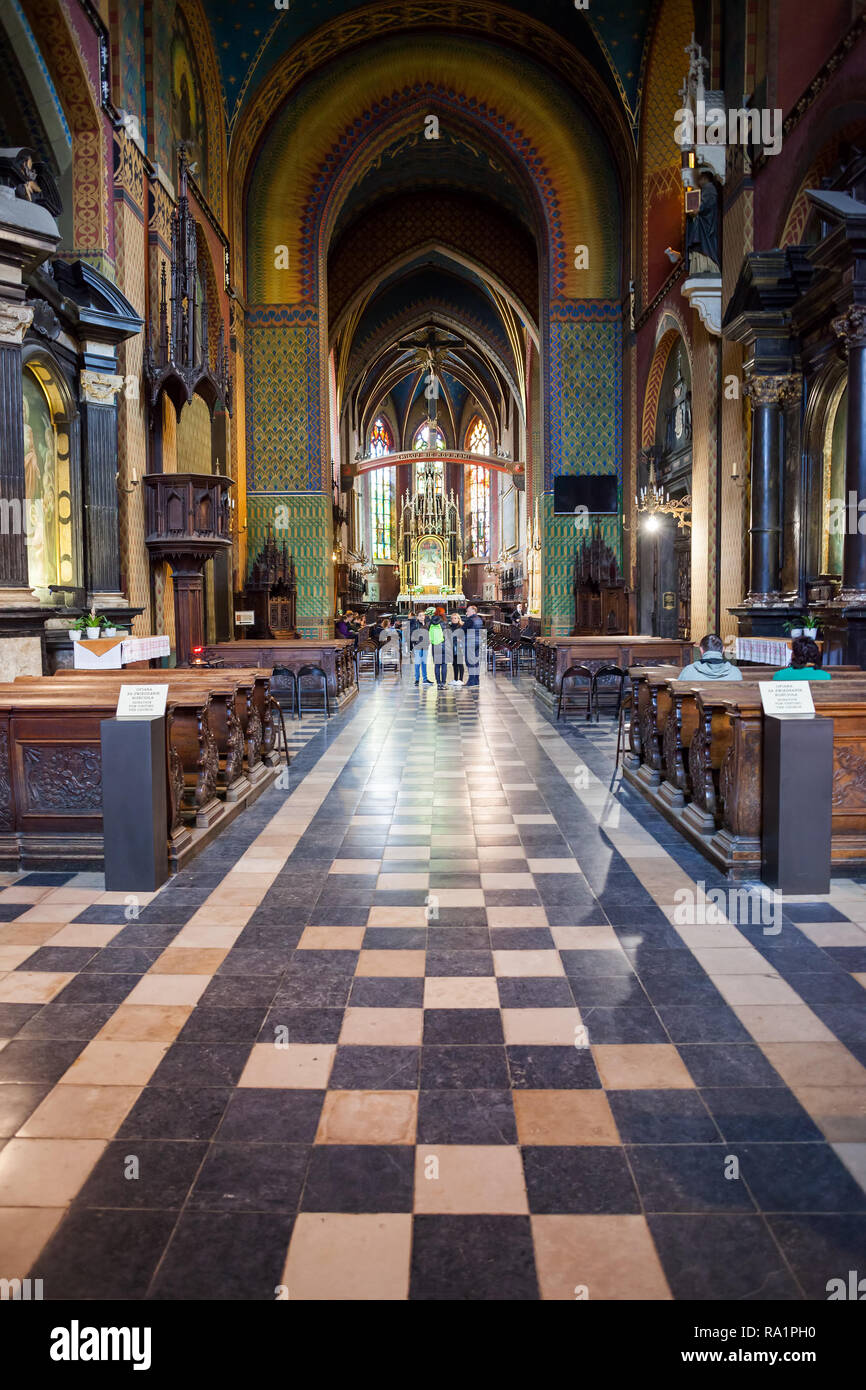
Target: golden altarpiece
(430,541)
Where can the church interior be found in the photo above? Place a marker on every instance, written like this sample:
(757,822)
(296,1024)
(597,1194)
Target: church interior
(433,650)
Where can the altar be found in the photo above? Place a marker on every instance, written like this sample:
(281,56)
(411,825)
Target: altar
(430,543)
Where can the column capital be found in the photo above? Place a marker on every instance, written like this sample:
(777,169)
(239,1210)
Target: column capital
(851,326)
(15,319)
(774,390)
(100,388)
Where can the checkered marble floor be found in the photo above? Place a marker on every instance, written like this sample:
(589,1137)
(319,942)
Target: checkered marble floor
(426,1024)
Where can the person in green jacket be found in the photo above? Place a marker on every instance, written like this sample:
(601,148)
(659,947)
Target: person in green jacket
(805,663)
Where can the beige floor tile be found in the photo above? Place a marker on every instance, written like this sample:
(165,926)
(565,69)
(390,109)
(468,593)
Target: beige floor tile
(145,1023)
(553,866)
(20,934)
(331,939)
(783,1023)
(122,899)
(641,1066)
(238,890)
(340,1257)
(355,866)
(84,897)
(388,1027)
(541,1027)
(529,963)
(297,1067)
(515,851)
(83,934)
(834,933)
(24,893)
(461,992)
(368,1117)
(114,1063)
(397,917)
(744,960)
(189,960)
(13,956)
(393,964)
(50,912)
(80,1112)
(393,883)
(860,977)
(840,1111)
(504,917)
(755,989)
(470,1178)
(600,1258)
(586,939)
(45,1172)
(458,897)
(217,916)
(564,1117)
(24,1234)
(395,852)
(32,986)
(815,1064)
(169,989)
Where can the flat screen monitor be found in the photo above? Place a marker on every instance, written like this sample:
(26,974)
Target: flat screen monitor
(598,494)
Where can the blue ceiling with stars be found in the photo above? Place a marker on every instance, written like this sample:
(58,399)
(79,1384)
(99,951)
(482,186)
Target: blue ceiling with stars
(251,36)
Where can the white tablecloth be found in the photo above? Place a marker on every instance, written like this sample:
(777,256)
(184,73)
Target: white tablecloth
(121,654)
(766,651)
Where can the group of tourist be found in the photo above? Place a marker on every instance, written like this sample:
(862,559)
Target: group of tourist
(455,639)
(713,665)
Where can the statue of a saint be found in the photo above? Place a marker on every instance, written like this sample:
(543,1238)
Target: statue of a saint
(702,231)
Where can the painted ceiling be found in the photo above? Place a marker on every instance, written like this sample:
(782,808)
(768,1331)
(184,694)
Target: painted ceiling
(251,37)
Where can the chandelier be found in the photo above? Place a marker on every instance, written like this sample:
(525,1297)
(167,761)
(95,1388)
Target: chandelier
(654,501)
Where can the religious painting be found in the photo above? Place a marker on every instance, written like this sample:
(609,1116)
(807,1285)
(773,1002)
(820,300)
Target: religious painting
(187,99)
(430,574)
(46,503)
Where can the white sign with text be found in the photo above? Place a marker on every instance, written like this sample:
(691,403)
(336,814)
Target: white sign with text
(245,618)
(787,697)
(141,701)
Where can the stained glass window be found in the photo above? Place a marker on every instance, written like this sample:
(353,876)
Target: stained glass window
(382,489)
(422,438)
(478,497)
(478,437)
(380,439)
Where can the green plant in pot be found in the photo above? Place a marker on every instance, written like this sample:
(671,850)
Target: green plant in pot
(810,628)
(93,624)
(79,628)
(793,627)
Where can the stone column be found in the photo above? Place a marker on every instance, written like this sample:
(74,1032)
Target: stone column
(100,463)
(768,395)
(852,328)
(14,321)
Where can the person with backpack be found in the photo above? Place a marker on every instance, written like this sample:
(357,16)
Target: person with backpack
(437,642)
(458,647)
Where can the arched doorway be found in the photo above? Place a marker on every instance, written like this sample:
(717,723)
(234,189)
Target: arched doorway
(664,546)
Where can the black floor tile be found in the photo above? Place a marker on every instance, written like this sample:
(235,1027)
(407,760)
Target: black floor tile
(375,1069)
(585,1179)
(473,1258)
(176,1112)
(271,1116)
(716,1258)
(466,1117)
(662,1117)
(251,1177)
(225,1256)
(166,1170)
(687,1177)
(104,1254)
(360,1178)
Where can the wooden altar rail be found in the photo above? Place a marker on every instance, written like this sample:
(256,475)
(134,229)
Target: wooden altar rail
(697,756)
(51,773)
(335,655)
(553,655)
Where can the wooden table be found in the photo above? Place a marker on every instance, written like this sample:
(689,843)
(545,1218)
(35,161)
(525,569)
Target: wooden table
(554,654)
(334,654)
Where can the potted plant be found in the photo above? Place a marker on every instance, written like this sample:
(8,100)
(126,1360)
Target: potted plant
(793,627)
(810,628)
(93,624)
(78,628)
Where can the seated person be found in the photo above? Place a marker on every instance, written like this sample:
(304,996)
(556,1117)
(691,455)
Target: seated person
(805,663)
(712,664)
(342,627)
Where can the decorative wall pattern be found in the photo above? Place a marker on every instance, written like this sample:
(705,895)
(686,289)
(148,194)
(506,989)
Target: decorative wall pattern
(662,213)
(585,376)
(560,539)
(282,424)
(309,537)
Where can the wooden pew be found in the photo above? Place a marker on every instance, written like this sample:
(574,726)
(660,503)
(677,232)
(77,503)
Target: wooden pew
(335,655)
(253,715)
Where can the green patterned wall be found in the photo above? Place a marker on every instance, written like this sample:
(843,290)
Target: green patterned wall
(283,449)
(560,539)
(309,537)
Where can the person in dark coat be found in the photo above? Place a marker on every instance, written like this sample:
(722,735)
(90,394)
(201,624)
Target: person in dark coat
(473,625)
(341,626)
(458,647)
(419,641)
